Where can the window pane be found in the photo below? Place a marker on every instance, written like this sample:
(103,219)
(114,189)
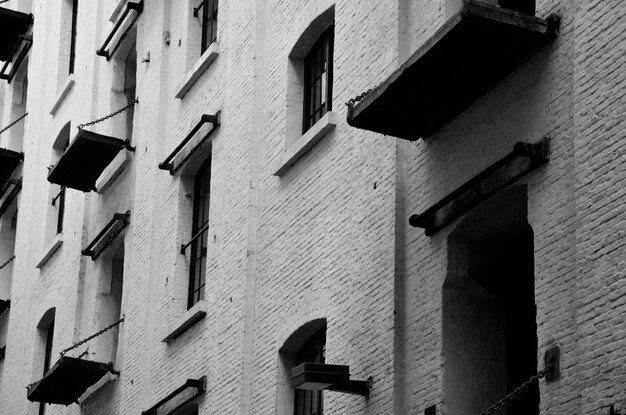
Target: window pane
(317,81)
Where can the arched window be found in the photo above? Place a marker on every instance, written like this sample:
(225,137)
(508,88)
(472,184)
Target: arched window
(308,402)
(46,335)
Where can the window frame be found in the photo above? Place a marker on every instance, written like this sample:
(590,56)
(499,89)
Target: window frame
(312,351)
(209,23)
(47,359)
(74,21)
(314,87)
(201,202)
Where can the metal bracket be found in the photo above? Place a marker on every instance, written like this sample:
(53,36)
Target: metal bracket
(553,357)
(354,387)
(128,147)
(113,370)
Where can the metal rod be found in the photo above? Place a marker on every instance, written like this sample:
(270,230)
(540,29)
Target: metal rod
(21,56)
(205,118)
(88,251)
(138,7)
(197,9)
(7,202)
(183,248)
(199,384)
(54,199)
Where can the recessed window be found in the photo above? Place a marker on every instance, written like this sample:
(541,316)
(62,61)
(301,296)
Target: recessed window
(309,402)
(58,192)
(46,330)
(73,35)
(318,79)
(207,9)
(200,228)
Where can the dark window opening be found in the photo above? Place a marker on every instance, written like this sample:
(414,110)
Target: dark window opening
(47,358)
(199,230)
(308,402)
(60,204)
(209,23)
(59,200)
(318,79)
(73,35)
(130,88)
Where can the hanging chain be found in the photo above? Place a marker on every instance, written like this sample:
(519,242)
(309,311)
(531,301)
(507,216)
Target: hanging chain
(520,389)
(359,97)
(7,262)
(13,123)
(106,117)
(93,336)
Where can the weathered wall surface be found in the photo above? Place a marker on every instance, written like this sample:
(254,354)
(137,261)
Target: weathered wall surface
(328,239)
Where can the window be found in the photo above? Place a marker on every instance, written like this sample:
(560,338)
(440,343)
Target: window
(199,230)
(73,36)
(59,202)
(318,79)
(308,402)
(61,144)
(209,22)
(48,332)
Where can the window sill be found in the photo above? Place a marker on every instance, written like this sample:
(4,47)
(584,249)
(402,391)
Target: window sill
(50,250)
(326,124)
(198,69)
(191,317)
(109,377)
(112,172)
(65,90)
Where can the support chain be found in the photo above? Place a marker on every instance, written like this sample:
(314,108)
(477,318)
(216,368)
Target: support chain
(13,123)
(351,102)
(520,389)
(7,262)
(93,336)
(106,117)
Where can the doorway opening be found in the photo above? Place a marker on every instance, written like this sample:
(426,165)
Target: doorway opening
(489,312)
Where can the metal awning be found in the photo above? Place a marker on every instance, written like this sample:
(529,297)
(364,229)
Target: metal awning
(67,380)
(15,42)
(196,138)
(470,53)
(188,391)
(524,158)
(7,196)
(12,25)
(85,160)
(131,7)
(4,306)
(321,376)
(107,235)
(9,160)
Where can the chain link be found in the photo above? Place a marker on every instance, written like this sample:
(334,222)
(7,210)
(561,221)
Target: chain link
(7,262)
(13,123)
(520,389)
(351,102)
(106,117)
(93,336)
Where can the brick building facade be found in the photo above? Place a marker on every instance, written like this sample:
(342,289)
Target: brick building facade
(293,209)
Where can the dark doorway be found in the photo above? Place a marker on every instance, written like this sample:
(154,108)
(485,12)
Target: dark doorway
(489,312)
